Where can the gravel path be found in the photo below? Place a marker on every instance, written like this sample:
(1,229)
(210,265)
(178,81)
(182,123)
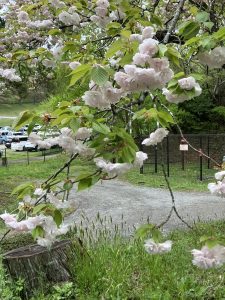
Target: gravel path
(137,204)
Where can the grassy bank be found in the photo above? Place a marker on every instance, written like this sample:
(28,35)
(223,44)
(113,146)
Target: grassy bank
(37,171)
(121,269)
(12,110)
(187,180)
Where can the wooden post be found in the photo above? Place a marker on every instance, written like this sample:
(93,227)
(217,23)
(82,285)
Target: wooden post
(37,265)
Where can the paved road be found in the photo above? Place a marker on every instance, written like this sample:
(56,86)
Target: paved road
(137,204)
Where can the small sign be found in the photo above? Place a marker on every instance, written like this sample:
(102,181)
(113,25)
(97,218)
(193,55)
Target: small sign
(2,147)
(183,147)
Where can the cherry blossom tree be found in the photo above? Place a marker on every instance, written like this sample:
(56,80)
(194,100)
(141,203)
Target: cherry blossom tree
(131,58)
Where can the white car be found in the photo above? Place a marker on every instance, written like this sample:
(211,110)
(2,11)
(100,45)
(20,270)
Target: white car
(20,146)
(28,146)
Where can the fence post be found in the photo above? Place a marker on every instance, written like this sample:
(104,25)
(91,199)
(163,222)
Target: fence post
(200,158)
(28,158)
(182,160)
(43,153)
(208,151)
(156,160)
(168,156)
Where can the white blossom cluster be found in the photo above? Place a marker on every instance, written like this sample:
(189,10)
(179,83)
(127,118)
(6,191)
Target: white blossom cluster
(70,142)
(51,231)
(218,188)
(70,17)
(117,15)
(24,18)
(57,4)
(209,257)
(153,72)
(40,24)
(157,248)
(156,137)
(101,17)
(186,84)
(116,169)
(214,59)
(10,74)
(102,97)
(147,32)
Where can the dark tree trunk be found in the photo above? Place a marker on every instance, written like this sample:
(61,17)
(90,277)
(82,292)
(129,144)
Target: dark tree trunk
(39,266)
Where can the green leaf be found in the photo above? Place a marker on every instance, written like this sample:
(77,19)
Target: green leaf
(193,40)
(38,231)
(202,16)
(99,75)
(208,42)
(144,230)
(173,55)
(198,77)
(74,124)
(84,184)
(125,33)
(220,34)
(101,128)
(127,154)
(156,20)
(162,49)
(23,119)
(79,73)
(40,207)
(32,124)
(54,31)
(57,217)
(210,243)
(23,189)
(189,29)
(126,59)
(179,75)
(68,185)
(209,25)
(116,46)
(166,116)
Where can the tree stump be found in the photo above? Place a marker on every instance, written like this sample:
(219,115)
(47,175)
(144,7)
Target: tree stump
(39,266)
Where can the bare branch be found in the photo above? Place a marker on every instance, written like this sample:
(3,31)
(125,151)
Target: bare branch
(174,21)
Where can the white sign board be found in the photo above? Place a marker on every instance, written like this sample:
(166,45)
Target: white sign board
(2,147)
(183,147)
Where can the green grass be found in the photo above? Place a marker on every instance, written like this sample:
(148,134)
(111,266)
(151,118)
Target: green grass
(122,270)
(12,110)
(36,172)
(187,180)
(23,156)
(119,268)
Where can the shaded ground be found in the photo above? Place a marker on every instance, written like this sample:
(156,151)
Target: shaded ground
(137,204)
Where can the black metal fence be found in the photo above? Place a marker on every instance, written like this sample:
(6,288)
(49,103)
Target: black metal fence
(171,153)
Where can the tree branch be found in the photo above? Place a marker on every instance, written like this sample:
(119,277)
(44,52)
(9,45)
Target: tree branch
(174,21)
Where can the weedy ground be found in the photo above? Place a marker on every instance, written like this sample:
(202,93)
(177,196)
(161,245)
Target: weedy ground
(109,266)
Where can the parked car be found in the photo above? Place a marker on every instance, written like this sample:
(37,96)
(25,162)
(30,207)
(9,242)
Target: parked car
(5,136)
(28,146)
(6,128)
(35,129)
(13,138)
(18,143)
